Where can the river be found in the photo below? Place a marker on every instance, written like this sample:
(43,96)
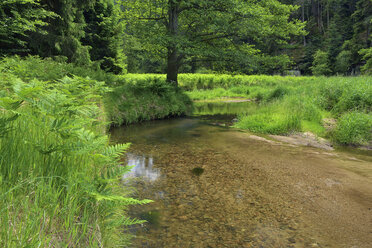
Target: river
(215,186)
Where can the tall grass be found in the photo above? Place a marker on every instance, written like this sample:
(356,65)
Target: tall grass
(290,104)
(289,108)
(354,128)
(285,104)
(59,178)
(132,97)
(145,98)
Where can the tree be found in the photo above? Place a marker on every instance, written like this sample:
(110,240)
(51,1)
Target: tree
(367,57)
(62,37)
(343,62)
(208,30)
(104,35)
(321,64)
(17,19)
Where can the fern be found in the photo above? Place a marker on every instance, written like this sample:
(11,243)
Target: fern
(50,138)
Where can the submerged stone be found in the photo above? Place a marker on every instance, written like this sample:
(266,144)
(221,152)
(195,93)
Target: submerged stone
(197,171)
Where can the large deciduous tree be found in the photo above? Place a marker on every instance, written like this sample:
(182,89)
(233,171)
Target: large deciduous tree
(208,30)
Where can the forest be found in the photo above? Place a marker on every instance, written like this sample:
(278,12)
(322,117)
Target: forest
(75,74)
(317,37)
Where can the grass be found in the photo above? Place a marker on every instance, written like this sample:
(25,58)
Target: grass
(143,99)
(59,177)
(354,128)
(285,104)
(292,104)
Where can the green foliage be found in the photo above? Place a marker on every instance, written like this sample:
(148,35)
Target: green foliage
(104,35)
(62,36)
(281,116)
(367,57)
(50,70)
(17,19)
(321,64)
(346,94)
(267,122)
(226,32)
(278,92)
(60,180)
(354,128)
(191,82)
(138,98)
(286,104)
(343,62)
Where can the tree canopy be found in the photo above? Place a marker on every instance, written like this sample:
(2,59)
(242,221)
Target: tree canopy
(222,32)
(171,36)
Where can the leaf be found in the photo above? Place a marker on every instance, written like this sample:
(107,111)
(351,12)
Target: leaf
(124,200)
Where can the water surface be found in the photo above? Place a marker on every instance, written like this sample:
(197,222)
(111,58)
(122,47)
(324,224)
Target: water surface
(214,186)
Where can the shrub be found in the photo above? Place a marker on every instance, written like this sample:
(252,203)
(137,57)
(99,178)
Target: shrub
(278,92)
(354,128)
(343,62)
(367,57)
(321,64)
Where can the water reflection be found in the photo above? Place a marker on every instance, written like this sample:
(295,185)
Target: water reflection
(221,108)
(143,167)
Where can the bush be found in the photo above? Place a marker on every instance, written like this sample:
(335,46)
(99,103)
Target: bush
(354,128)
(367,57)
(321,64)
(343,62)
(278,92)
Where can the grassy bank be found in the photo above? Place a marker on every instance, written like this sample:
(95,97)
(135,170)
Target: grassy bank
(144,98)
(59,177)
(325,106)
(131,98)
(290,104)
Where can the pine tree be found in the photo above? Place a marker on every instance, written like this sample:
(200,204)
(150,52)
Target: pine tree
(17,19)
(104,34)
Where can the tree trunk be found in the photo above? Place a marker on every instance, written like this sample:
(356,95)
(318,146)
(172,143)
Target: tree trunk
(172,66)
(173,61)
(303,18)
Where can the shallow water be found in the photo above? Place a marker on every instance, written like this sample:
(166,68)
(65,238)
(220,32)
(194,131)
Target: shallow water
(214,186)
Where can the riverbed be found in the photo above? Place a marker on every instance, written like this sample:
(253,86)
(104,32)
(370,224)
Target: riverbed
(215,186)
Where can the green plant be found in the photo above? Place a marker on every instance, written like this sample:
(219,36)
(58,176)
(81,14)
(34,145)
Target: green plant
(59,178)
(367,57)
(354,128)
(321,64)
(142,98)
(343,62)
(278,92)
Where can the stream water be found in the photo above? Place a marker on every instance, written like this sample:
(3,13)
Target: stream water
(214,186)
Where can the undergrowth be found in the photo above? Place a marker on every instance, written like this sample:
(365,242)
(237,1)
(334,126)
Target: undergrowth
(285,104)
(144,99)
(292,104)
(59,177)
